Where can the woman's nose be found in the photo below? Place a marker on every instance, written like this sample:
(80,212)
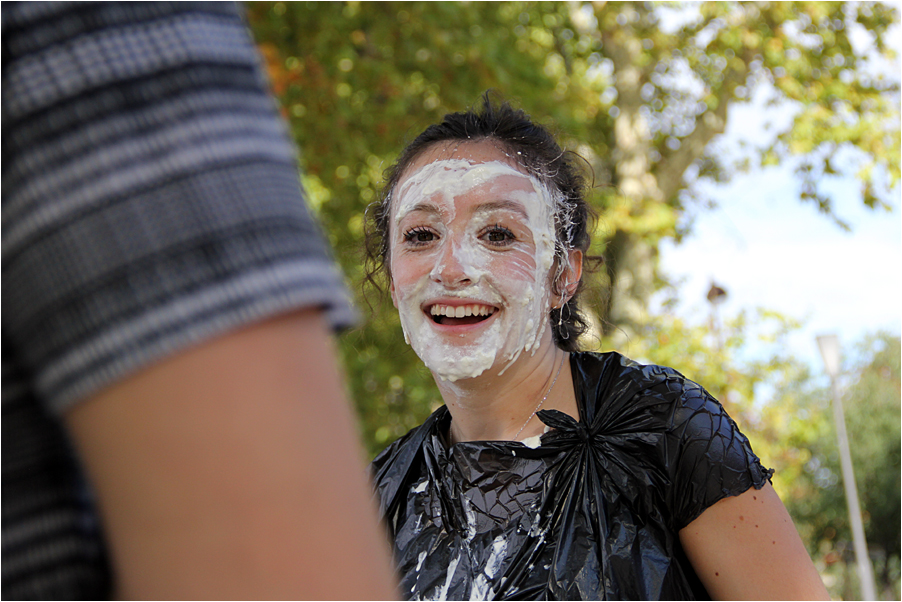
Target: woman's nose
(450,269)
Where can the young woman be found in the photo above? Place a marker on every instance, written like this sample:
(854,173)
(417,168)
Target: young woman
(549,473)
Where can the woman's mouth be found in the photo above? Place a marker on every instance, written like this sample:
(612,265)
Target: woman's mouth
(460,315)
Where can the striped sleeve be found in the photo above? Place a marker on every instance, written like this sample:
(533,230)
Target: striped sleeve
(150,192)
(150,202)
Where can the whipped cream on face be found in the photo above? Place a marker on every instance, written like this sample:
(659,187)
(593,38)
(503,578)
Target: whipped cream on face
(517,289)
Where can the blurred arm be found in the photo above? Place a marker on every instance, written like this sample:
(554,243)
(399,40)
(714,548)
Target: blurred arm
(233,470)
(746,548)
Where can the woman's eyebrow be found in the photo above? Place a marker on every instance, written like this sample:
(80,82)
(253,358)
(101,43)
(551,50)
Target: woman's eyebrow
(424,207)
(501,205)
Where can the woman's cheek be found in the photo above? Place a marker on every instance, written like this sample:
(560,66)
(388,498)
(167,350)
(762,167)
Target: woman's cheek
(516,264)
(409,267)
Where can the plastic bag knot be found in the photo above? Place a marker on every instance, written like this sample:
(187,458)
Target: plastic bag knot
(565,424)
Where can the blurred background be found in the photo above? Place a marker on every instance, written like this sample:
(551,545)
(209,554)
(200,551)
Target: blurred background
(746,174)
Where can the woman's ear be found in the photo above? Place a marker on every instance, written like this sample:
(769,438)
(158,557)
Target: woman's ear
(391,290)
(568,281)
(574,271)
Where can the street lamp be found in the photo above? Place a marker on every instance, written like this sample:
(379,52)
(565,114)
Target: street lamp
(716,296)
(830,352)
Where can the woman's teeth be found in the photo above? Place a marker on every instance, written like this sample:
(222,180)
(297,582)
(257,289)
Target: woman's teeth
(461,311)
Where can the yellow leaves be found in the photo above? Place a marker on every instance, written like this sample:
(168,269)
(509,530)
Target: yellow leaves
(541,37)
(358,38)
(294,65)
(554,66)
(751,38)
(355,224)
(317,193)
(790,86)
(805,131)
(352,7)
(646,218)
(383,435)
(815,88)
(272,61)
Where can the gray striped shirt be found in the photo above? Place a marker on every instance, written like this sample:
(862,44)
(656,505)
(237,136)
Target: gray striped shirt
(150,201)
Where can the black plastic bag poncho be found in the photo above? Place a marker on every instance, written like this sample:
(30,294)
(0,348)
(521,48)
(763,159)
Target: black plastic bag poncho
(592,513)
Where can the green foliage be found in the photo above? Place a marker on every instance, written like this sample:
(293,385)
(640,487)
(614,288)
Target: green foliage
(800,417)
(641,90)
(714,354)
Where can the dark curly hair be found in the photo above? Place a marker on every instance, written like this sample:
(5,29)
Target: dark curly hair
(532,147)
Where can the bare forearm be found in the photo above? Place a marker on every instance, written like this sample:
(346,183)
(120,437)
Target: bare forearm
(233,470)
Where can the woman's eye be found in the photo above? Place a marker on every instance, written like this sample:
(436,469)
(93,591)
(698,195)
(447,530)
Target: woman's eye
(498,236)
(419,236)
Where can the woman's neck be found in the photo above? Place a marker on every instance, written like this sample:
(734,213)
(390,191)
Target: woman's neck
(502,407)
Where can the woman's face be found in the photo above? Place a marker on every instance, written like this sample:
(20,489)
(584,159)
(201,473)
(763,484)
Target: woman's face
(471,250)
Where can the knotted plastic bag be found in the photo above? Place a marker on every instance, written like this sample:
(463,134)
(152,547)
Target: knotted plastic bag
(594,512)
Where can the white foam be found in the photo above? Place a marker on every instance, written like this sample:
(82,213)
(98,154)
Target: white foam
(480,590)
(452,567)
(521,291)
(532,442)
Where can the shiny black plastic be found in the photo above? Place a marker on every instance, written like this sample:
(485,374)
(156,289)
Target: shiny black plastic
(592,513)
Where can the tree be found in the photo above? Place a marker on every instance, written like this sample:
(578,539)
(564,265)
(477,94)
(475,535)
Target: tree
(808,464)
(641,90)
(672,87)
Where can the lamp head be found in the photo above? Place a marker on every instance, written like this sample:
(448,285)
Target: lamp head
(830,352)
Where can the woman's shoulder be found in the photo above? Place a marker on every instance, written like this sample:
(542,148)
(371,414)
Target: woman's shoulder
(403,449)
(695,441)
(624,394)
(410,441)
(613,383)
(391,467)
(621,365)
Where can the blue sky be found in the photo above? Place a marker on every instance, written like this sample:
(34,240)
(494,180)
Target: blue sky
(767,249)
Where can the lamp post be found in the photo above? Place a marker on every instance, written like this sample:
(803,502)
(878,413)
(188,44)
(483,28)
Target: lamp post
(830,352)
(716,295)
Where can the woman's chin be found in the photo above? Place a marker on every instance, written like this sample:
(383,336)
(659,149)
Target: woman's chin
(457,350)
(475,366)
(458,357)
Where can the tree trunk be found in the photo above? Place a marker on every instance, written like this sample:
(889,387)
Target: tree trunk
(632,259)
(632,262)
(633,256)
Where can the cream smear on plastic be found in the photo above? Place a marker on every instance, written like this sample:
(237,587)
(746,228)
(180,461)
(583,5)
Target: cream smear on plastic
(521,291)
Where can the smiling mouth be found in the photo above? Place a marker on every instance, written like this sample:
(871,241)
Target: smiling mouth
(460,315)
